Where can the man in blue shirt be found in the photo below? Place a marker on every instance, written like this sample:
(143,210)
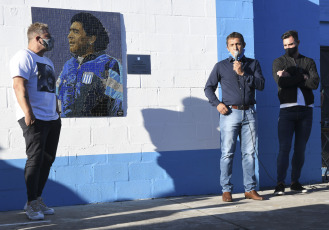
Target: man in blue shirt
(239,77)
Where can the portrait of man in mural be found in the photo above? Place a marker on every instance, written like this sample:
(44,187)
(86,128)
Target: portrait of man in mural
(90,83)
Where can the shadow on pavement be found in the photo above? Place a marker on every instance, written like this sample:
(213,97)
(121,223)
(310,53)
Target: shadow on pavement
(289,212)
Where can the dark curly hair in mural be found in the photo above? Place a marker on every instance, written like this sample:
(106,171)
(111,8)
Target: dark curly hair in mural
(92,26)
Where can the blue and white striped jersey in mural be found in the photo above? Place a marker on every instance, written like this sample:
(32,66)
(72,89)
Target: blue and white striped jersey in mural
(92,87)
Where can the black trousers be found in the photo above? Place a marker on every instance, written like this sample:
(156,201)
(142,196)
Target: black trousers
(41,139)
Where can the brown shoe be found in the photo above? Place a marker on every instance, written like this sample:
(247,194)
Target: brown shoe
(227,197)
(253,195)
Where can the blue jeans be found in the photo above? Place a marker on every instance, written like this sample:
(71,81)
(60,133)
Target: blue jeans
(298,120)
(242,123)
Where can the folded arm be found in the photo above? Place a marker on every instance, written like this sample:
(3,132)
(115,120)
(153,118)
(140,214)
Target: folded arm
(311,79)
(283,79)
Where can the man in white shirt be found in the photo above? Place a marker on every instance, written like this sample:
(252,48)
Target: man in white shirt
(36,112)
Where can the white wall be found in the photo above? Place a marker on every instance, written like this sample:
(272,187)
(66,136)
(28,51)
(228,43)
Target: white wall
(180,36)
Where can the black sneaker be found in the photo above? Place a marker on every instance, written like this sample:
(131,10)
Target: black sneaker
(297,187)
(279,189)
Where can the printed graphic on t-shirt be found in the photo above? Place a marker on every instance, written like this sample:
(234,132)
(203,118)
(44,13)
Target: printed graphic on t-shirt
(46,78)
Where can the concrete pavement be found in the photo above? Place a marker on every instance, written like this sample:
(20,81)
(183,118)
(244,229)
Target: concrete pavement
(291,211)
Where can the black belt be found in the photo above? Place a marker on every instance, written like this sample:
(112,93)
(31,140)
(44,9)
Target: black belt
(240,107)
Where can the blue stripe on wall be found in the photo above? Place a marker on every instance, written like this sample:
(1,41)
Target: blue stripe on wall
(234,16)
(271,21)
(117,177)
(103,178)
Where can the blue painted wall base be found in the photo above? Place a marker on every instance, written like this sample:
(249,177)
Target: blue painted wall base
(117,177)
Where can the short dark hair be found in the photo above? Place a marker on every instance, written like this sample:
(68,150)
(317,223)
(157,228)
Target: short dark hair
(235,35)
(290,33)
(92,26)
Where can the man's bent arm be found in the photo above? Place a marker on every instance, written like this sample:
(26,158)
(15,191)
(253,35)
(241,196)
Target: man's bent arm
(22,96)
(312,82)
(285,82)
(211,86)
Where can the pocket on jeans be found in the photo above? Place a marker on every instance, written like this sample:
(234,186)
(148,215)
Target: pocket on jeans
(23,125)
(21,122)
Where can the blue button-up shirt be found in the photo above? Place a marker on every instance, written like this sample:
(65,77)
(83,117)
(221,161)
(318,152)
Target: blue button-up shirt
(236,90)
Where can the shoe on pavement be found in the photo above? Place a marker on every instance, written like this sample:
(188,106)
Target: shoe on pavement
(227,197)
(44,208)
(33,211)
(253,195)
(297,187)
(279,189)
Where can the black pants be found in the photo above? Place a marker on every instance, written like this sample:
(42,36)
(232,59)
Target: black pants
(41,139)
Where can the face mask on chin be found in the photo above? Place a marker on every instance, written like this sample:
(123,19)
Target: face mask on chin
(48,43)
(291,51)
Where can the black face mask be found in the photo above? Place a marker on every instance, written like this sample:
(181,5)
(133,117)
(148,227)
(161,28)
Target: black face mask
(291,51)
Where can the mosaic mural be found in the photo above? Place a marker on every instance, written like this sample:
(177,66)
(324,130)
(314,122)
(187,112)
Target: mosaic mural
(87,58)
